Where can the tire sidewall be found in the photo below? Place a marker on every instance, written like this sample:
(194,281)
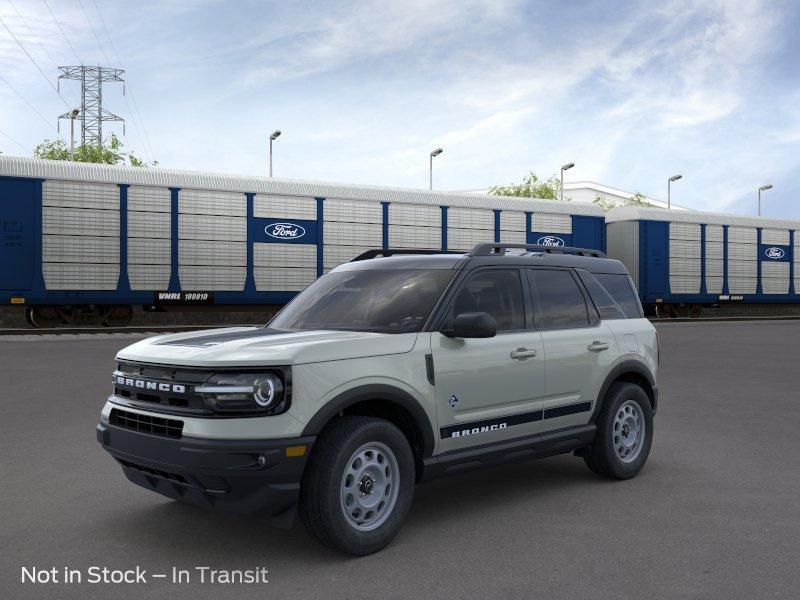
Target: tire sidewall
(365,542)
(625,393)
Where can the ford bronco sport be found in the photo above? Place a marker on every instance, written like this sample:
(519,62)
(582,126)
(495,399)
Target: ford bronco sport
(396,367)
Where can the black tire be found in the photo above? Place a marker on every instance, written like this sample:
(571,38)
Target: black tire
(320,506)
(602,457)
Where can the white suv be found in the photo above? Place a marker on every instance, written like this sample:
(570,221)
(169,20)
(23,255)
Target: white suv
(396,367)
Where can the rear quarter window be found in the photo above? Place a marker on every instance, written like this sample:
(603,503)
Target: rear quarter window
(620,295)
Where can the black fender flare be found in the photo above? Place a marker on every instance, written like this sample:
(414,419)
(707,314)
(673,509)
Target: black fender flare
(375,391)
(623,368)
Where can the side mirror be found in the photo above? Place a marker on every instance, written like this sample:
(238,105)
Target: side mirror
(472,325)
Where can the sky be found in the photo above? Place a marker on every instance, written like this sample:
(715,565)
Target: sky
(631,92)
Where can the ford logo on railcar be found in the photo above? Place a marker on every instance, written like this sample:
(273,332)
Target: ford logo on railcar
(775,253)
(285,231)
(550,240)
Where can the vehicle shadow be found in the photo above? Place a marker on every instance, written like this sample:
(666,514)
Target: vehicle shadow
(192,532)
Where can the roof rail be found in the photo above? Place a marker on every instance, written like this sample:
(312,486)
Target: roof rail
(369,254)
(489,249)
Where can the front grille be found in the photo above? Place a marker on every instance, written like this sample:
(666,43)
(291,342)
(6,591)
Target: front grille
(185,402)
(150,471)
(169,428)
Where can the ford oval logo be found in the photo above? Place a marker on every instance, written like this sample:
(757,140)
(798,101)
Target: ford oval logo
(285,231)
(550,240)
(775,253)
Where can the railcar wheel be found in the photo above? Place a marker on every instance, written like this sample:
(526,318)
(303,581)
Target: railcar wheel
(43,317)
(118,316)
(695,311)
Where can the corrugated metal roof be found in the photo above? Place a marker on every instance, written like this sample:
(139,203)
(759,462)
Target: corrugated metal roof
(637,213)
(55,169)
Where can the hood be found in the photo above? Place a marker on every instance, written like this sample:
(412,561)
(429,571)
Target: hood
(258,346)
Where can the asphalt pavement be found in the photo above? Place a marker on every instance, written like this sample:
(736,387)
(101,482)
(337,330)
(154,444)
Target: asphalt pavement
(714,514)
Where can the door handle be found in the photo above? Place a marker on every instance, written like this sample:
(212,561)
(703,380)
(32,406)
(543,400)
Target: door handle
(596,346)
(522,353)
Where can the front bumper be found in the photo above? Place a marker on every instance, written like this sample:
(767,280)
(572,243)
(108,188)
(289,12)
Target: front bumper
(242,477)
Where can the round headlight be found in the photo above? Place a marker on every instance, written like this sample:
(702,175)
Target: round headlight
(267,391)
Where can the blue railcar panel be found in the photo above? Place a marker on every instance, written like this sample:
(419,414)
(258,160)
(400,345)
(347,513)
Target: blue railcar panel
(774,253)
(589,232)
(653,260)
(18,228)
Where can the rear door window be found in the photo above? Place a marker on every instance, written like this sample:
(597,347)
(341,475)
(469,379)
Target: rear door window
(607,307)
(497,292)
(560,301)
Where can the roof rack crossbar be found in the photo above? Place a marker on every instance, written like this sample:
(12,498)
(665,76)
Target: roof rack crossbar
(369,254)
(489,249)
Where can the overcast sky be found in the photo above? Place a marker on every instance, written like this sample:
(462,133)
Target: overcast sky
(631,92)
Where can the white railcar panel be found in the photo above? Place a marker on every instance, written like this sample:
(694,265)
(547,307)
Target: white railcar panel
(283,280)
(210,278)
(684,266)
(353,211)
(405,236)
(742,285)
(417,215)
(684,284)
(714,285)
(333,256)
(149,199)
(148,277)
(284,207)
(512,220)
(715,233)
(747,252)
(466,239)
(206,202)
(684,248)
(80,194)
(684,231)
(715,267)
(514,237)
(354,234)
(775,277)
(80,276)
(285,255)
(149,225)
(742,235)
(210,227)
(470,218)
(144,251)
(74,248)
(742,268)
(551,223)
(775,236)
(715,250)
(204,252)
(76,221)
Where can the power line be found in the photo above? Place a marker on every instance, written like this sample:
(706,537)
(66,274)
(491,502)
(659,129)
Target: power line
(99,43)
(21,97)
(61,29)
(35,64)
(136,114)
(38,41)
(16,142)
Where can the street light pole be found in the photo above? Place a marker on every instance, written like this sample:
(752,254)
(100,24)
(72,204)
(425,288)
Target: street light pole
(763,188)
(669,189)
(436,152)
(564,168)
(273,136)
(72,115)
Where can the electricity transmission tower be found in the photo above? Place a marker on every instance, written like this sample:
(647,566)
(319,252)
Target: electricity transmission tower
(92,113)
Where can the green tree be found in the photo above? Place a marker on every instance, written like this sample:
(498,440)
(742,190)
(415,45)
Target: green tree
(112,153)
(638,199)
(531,187)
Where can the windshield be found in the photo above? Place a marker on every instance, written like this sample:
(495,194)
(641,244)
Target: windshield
(391,301)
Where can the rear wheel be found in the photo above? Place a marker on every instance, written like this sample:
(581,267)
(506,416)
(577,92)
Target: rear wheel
(624,433)
(358,485)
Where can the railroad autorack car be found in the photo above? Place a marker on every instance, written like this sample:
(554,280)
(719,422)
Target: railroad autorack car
(682,261)
(90,242)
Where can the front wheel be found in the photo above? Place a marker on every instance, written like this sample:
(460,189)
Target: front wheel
(624,433)
(358,485)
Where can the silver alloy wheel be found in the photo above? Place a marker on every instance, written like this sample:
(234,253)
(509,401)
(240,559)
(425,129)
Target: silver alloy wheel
(629,431)
(369,487)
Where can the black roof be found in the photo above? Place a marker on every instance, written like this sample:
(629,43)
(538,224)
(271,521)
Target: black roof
(591,260)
